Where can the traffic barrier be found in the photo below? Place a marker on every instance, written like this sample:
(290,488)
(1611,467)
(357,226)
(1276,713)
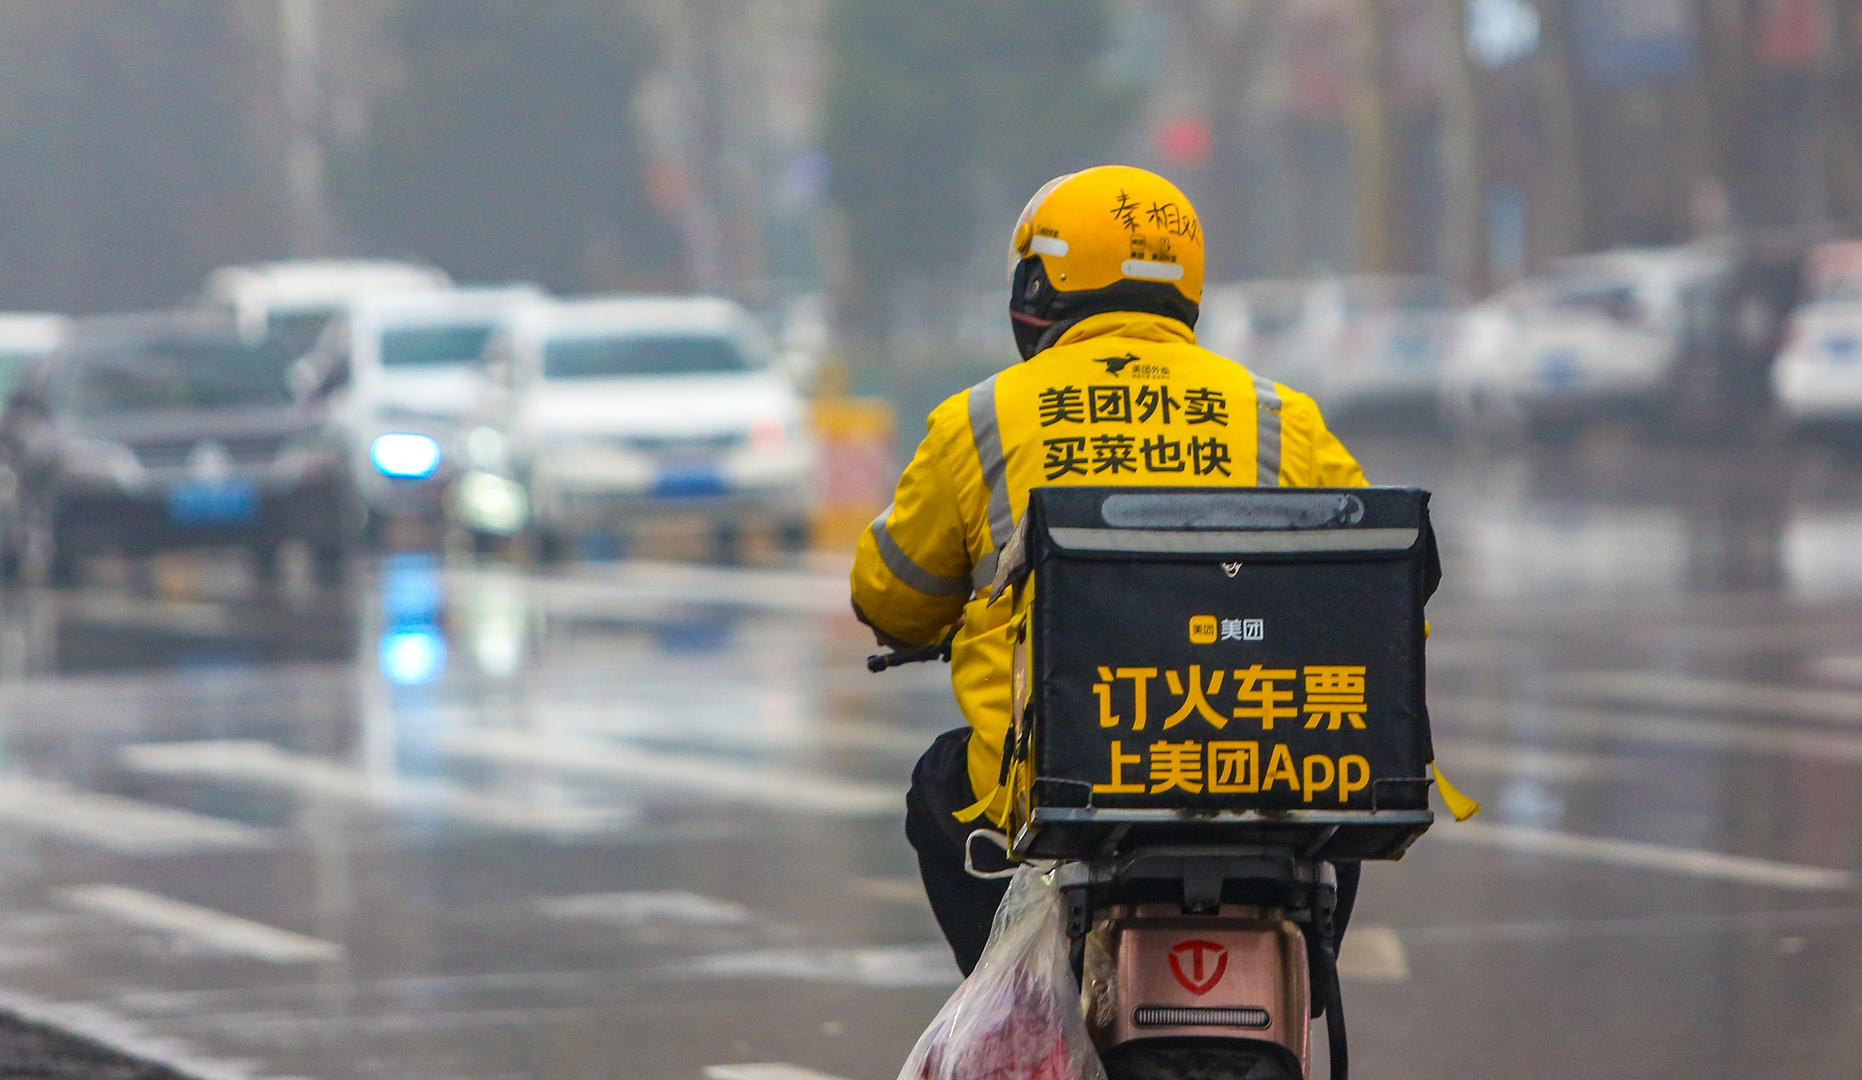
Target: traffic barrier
(858,467)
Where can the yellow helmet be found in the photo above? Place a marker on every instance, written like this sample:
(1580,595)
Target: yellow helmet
(1109,238)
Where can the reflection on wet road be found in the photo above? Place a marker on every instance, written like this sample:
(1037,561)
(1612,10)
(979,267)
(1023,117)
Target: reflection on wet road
(642,820)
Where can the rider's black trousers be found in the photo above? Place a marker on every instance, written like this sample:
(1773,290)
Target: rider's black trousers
(964,905)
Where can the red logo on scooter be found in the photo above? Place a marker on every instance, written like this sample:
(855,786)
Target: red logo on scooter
(1198,965)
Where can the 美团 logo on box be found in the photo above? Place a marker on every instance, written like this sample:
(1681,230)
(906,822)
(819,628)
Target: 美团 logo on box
(1208,629)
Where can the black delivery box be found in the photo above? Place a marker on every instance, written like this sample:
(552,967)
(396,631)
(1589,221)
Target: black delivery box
(1218,662)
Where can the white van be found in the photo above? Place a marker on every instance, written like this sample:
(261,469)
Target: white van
(626,409)
(404,370)
(291,301)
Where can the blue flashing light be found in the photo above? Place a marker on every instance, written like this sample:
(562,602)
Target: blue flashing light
(405,456)
(413,655)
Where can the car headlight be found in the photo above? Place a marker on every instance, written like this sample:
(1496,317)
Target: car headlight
(404,455)
(491,503)
(100,462)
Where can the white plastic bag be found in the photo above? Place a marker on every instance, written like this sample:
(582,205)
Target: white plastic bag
(1017,1017)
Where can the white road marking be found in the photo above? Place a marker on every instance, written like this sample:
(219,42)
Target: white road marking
(664,722)
(1674,690)
(1532,762)
(631,586)
(1373,954)
(1703,733)
(142,700)
(124,1036)
(891,890)
(1640,928)
(1842,669)
(764,1071)
(1646,856)
(768,784)
(116,823)
(893,966)
(261,763)
(644,908)
(202,926)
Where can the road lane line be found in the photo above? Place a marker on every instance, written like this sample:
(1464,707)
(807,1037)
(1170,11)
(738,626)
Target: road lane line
(891,890)
(202,926)
(1373,954)
(769,784)
(1532,762)
(1844,668)
(657,585)
(116,823)
(261,763)
(1676,690)
(1700,732)
(634,909)
(1646,856)
(1637,928)
(888,966)
(764,1071)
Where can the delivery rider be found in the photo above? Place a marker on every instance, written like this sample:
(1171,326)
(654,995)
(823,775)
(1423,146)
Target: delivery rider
(1107,276)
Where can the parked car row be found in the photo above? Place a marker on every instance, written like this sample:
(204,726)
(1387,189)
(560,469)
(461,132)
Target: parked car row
(1697,338)
(317,403)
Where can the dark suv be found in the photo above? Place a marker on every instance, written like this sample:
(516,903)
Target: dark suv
(161,431)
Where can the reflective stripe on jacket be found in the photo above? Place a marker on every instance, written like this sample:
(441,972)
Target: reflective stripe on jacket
(1121,398)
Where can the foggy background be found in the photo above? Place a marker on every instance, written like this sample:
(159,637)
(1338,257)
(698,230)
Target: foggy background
(878,152)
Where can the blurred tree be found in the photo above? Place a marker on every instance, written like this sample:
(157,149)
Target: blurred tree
(511,149)
(128,165)
(942,118)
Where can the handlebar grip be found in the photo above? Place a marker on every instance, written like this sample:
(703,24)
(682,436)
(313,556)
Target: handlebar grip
(924,654)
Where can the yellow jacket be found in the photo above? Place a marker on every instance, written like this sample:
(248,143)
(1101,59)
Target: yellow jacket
(1120,398)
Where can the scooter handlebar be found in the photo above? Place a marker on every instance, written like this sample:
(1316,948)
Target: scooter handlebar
(923,654)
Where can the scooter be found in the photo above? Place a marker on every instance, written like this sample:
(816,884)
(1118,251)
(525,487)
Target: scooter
(1204,952)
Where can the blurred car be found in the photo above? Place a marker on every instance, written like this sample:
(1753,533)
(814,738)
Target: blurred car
(621,410)
(1258,324)
(291,302)
(151,432)
(1375,341)
(25,340)
(400,370)
(1817,379)
(1596,334)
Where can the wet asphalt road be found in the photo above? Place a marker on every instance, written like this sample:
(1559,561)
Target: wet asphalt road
(642,820)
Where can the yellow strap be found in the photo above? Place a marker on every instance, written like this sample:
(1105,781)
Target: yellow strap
(1458,804)
(975,810)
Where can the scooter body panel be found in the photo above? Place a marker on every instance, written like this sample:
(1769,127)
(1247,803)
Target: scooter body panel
(1239,974)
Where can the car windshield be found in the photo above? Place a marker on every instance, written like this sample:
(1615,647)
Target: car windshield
(1618,299)
(157,376)
(644,354)
(434,346)
(294,333)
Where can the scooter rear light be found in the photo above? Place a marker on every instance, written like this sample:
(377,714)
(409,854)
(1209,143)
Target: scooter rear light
(1188,1016)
